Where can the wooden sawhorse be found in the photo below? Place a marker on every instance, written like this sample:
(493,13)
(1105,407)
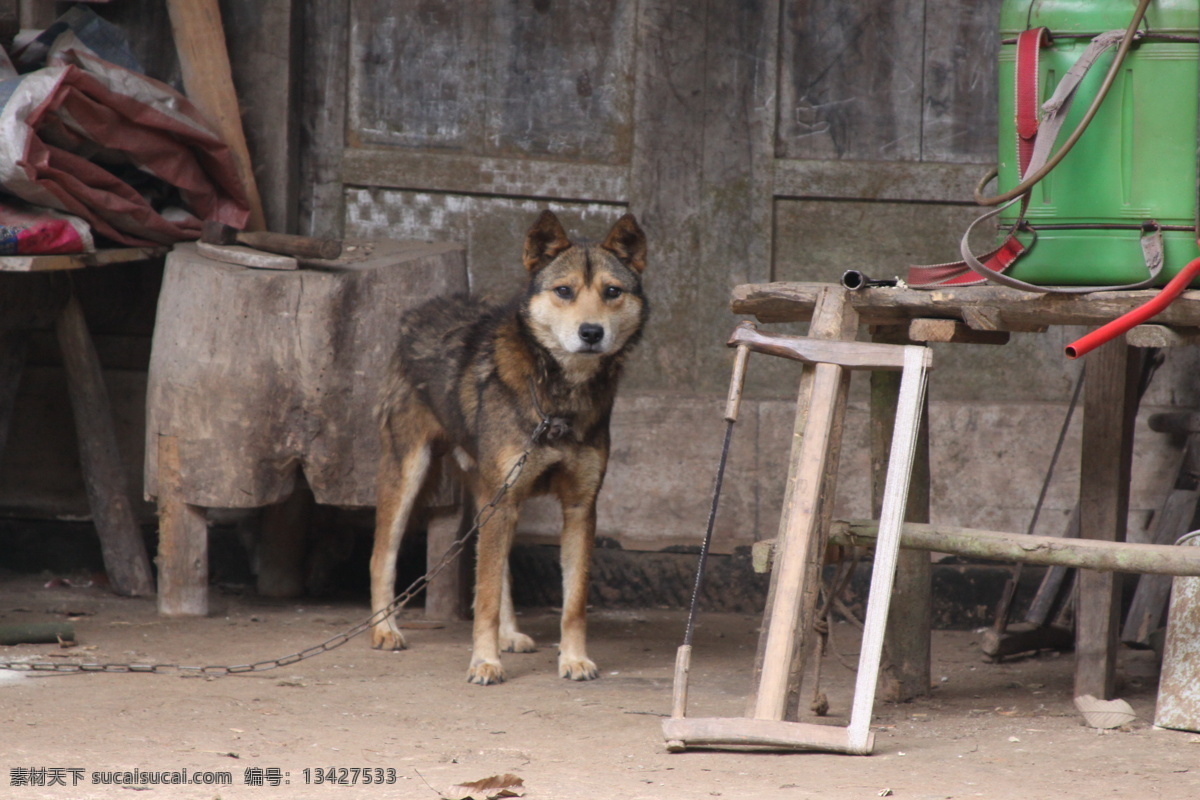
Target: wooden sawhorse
(985,314)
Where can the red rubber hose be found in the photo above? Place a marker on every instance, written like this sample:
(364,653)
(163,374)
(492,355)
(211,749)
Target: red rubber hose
(1138,315)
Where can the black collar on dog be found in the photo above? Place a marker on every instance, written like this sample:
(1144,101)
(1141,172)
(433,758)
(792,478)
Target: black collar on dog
(550,429)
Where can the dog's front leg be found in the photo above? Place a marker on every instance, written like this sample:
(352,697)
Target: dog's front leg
(495,541)
(578,540)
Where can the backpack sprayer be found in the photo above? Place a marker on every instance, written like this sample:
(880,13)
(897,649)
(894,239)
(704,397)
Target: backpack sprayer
(1114,207)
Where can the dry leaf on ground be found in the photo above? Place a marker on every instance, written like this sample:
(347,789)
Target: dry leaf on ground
(491,788)
(1104,713)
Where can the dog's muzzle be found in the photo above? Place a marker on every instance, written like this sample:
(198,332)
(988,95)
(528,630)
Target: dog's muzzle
(590,333)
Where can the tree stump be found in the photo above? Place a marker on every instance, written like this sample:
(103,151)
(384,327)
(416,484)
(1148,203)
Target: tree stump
(257,374)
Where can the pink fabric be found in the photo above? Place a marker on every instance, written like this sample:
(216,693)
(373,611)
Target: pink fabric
(92,112)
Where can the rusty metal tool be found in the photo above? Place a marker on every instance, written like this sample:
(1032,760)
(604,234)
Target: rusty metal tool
(683,656)
(283,243)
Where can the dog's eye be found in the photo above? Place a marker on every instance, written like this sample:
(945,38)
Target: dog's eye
(564,292)
(612,292)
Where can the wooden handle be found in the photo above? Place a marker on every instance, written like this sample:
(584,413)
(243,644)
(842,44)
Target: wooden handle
(683,663)
(291,245)
(736,381)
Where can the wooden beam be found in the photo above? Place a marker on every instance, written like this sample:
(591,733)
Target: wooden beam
(711,731)
(1161,336)
(1010,309)
(182,541)
(812,476)
(115,255)
(104,477)
(322,94)
(208,82)
(1109,405)
(848,355)
(1143,559)
(894,181)
(951,330)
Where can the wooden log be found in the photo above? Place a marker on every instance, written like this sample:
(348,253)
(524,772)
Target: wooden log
(36,633)
(906,644)
(1009,309)
(1177,423)
(104,477)
(1109,405)
(1161,336)
(182,540)
(816,444)
(1091,554)
(260,372)
(951,330)
(208,82)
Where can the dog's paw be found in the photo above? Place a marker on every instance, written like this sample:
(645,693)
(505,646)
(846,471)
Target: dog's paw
(485,673)
(387,637)
(577,669)
(517,643)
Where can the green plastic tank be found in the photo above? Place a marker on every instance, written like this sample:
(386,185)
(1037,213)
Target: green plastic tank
(1137,159)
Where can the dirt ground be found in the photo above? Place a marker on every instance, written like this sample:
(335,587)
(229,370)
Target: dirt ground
(987,730)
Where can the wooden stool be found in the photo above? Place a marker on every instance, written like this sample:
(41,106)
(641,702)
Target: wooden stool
(258,374)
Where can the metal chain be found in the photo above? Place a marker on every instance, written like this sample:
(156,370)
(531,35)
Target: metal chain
(334,642)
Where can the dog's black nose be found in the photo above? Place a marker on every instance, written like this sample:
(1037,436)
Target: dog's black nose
(591,333)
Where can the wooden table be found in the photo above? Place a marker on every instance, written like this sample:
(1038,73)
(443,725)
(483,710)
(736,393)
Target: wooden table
(987,314)
(30,301)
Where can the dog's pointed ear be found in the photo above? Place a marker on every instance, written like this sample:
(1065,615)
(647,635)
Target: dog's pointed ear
(545,239)
(627,242)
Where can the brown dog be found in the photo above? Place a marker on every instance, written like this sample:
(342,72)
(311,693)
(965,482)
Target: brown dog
(476,380)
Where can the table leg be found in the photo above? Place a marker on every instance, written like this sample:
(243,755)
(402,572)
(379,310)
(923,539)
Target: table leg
(447,597)
(283,543)
(905,671)
(1109,406)
(182,541)
(121,543)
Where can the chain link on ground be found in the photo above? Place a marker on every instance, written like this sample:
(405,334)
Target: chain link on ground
(332,643)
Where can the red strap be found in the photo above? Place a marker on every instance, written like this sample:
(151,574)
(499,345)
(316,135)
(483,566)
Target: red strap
(959,274)
(1029,48)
